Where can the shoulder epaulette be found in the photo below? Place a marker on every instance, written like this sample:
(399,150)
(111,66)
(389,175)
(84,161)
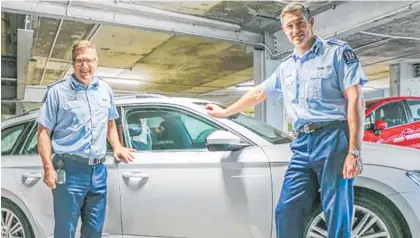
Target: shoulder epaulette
(287,57)
(336,42)
(56,82)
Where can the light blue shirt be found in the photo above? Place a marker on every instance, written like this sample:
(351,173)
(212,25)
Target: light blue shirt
(312,85)
(78,116)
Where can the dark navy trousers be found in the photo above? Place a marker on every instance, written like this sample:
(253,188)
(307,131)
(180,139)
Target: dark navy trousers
(83,195)
(317,165)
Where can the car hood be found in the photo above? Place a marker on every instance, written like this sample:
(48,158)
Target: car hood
(391,156)
(374,154)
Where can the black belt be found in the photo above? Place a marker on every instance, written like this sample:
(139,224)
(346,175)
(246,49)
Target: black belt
(80,159)
(313,126)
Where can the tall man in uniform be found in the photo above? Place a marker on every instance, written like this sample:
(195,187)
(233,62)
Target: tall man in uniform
(320,83)
(75,120)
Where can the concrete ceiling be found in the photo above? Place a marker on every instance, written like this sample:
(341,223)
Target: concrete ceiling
(163,62)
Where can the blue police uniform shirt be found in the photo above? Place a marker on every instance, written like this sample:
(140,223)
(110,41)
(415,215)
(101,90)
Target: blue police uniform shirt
(78,116)
(312,86)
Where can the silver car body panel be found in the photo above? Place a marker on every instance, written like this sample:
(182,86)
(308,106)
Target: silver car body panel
(202,193)
(197,194)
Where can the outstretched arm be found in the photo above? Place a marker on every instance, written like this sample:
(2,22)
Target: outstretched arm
(269,88)
(253,97)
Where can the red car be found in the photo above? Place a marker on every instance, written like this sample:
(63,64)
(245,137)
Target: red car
(393,120)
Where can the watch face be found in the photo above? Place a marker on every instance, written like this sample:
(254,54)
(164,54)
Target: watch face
(355,153)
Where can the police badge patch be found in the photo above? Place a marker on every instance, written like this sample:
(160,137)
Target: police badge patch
(349,56)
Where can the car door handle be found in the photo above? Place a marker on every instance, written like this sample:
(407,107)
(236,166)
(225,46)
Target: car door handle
(135,179)
(30,179)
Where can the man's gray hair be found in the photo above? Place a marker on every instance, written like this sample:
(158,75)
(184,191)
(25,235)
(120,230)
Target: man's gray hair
(293,7)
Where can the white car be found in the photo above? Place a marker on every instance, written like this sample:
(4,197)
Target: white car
(199,176)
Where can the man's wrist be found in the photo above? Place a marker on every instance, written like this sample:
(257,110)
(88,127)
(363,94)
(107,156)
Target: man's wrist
(48,168)
(117,146)
(355,152)
(226,113)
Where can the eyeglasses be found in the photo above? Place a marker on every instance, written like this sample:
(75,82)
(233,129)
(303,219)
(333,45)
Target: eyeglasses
(80,61)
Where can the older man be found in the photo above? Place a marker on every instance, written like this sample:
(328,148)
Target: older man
(320,83)
(75,119)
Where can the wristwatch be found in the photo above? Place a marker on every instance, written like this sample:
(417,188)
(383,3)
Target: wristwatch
(356,153)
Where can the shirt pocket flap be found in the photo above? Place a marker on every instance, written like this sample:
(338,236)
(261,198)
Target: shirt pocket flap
(324,74)
(104,102)
(71,104)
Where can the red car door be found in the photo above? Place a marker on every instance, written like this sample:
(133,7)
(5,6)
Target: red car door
(396,129)
(413,113)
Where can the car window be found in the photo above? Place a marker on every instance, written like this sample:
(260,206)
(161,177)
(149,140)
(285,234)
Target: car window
(414,106)
(31,146)
(369,124)
(166,129)
(268,132)
(10,137)
(393,113)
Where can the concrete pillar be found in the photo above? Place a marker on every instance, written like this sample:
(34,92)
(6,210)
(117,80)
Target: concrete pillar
(271,111)
(259,77)
(405,79)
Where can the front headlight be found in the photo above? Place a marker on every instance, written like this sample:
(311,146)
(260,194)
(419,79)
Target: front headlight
(415,176)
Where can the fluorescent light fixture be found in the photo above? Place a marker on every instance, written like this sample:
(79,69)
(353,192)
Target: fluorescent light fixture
(131,82)
(244,88)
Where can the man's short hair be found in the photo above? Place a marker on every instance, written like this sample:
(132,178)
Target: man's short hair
(293,7)
(81,46)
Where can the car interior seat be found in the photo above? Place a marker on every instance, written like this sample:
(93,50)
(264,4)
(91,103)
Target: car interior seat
(135,129)
(176,132)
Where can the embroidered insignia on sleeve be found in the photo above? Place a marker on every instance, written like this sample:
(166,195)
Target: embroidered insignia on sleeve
(349,56)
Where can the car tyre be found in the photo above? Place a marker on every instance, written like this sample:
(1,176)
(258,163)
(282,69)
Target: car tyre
(379,206)
(12,214)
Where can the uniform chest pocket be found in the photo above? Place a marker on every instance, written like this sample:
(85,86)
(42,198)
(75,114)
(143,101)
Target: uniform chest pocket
(102,110)
(72,104)
(315,84)
(103,102)
(75,111)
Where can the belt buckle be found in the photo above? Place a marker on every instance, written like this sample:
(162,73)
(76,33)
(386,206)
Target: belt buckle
(91,161)
(307,129)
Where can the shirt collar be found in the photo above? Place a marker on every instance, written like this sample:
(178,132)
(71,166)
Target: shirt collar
(77,86)
(315,49)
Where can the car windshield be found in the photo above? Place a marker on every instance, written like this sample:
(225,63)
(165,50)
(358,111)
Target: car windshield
(370,104)
(263,129)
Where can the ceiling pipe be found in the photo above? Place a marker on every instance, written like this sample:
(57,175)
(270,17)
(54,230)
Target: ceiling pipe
(196,34)
(8,79)
(390,36)
(51,51)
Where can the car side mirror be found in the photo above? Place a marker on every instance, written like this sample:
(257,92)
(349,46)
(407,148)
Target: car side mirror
(224,141)
(380,124)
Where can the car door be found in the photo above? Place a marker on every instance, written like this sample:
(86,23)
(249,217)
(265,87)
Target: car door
(413,112)
(29,172)
(176,187)
(394,115)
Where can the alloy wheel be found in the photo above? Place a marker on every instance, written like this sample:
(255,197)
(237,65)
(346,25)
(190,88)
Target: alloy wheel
(366,224)
(11,226)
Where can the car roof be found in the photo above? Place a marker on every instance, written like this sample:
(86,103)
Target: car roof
(395,98)
(372,104)
(122,100)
